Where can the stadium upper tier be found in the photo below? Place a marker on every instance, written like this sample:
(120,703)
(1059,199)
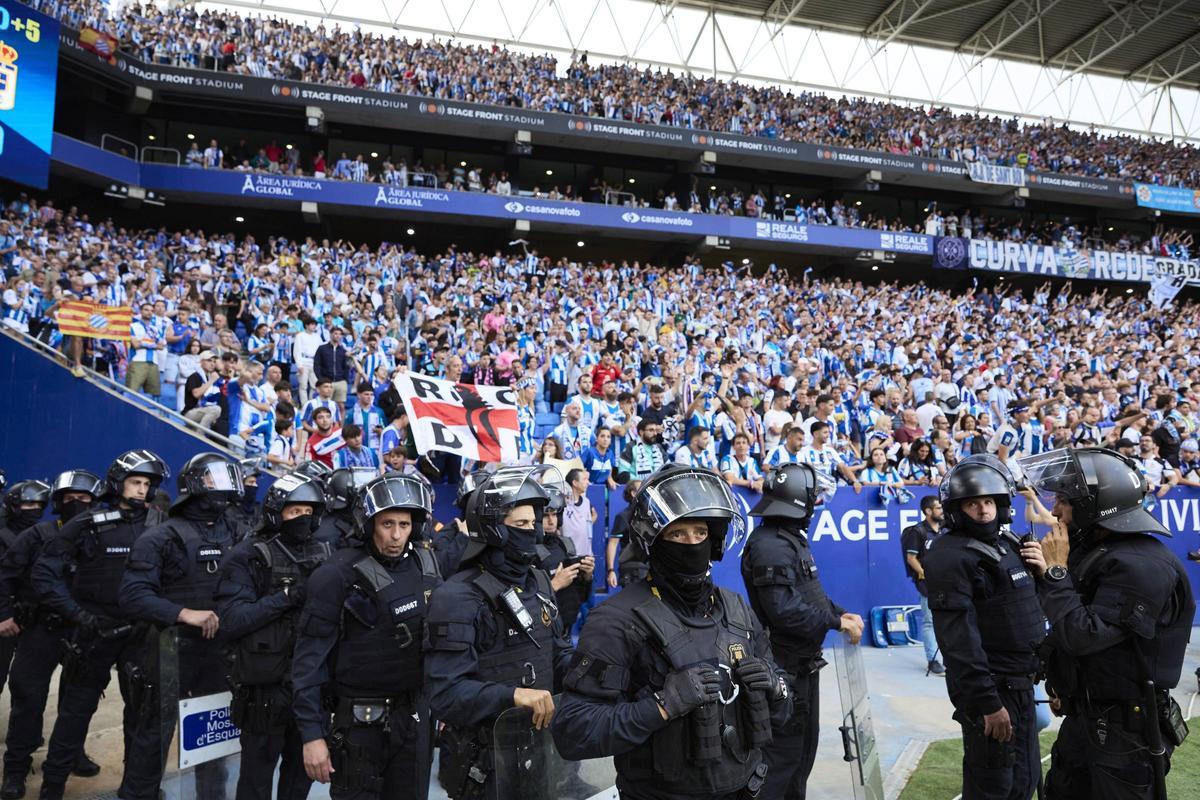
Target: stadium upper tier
(280,50)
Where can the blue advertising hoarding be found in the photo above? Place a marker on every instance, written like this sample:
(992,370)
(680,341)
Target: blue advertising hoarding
(28,78)
(289,191)
(856,540)
(1176,199)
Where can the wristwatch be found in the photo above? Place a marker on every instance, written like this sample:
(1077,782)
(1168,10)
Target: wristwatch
(1056,573)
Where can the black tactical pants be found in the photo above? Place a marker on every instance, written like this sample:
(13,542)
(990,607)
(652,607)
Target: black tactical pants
(39,649)
(1113,765)
(1009,770)
(387,759)
(261,751)
(793,750)
(199,671)
(79,696)
(8,646)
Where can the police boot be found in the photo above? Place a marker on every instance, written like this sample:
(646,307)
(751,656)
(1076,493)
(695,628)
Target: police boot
(84,766)
(13,787)
(51,791)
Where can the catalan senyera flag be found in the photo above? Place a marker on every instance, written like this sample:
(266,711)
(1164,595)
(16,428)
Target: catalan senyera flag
(94,321)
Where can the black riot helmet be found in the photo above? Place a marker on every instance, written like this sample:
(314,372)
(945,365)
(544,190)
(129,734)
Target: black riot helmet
(677,492)
(342,486)
(74,480)
(791,491)
(130,463)
(23,492)
(467,485)
(292,489)
(208,475)
(499,493)
(1104,488)
(3,480)
(980,475)
(393,492)
(318,470)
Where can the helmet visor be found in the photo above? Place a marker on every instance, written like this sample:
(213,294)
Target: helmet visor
(1056,473)
(511,486)
(396,492)
(361,476)
(694,493)
(220,476)
(77,480)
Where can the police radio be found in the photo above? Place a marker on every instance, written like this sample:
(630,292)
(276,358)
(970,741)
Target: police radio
(519,613)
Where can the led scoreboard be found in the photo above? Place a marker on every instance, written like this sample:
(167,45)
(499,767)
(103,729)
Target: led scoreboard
(28,74)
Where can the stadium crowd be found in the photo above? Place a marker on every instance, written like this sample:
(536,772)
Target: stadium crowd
(279,49)
(289,347)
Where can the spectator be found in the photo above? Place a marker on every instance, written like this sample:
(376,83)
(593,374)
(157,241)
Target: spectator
(600,461)
(739,467)
(914,542)
(326,440)
(146,340)
(366,416)
(331,362)
(355,453)
(200,392)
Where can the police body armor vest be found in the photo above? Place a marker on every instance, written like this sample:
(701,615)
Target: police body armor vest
(102,552)
(791,653)
(723,638)
(200,549)
(7,537)
(1011,620)
(45,529)
(514,660)
(1150,649)
(383,622)
(264,657)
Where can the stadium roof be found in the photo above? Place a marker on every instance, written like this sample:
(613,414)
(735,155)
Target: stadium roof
(1154,41)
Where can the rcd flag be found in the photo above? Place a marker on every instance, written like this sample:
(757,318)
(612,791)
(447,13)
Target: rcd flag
(475,422)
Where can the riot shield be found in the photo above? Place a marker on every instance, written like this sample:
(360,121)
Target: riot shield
(527,765)
(857,728)
(198,748)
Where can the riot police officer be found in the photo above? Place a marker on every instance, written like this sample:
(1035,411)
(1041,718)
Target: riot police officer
(244,513)
(93,548)
(787,596)
(989,624)
(169,584)
(1120,607)
(259,596)
(23,506)
(493,637)
(674,676)
(71,493)
(360,645)
(341,487)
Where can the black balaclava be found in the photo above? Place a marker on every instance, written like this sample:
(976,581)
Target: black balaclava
(512,561)
(205,508)
(73,508)
(297,529)
(249,500)
(683,568)
(24,518)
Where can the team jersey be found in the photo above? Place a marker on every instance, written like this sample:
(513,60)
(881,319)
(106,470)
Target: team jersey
(310,408)
(599,465)
(704,459)
(781,455)
(370,420)
(747,470)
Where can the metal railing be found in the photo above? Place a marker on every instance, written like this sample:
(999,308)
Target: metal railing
(613,197)
(143,402)
(108,137)
(166,151)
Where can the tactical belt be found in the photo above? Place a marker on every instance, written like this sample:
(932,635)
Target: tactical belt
(1014,683)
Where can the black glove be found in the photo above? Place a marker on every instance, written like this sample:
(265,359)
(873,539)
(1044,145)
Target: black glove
(756,674)
(686,690)
(297,593)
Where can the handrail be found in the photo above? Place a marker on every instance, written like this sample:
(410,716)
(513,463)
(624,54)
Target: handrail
(611,193)
(146,150)
(107,384)
(115,138)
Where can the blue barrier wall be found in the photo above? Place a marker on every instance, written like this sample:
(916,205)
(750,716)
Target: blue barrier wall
(52,421)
